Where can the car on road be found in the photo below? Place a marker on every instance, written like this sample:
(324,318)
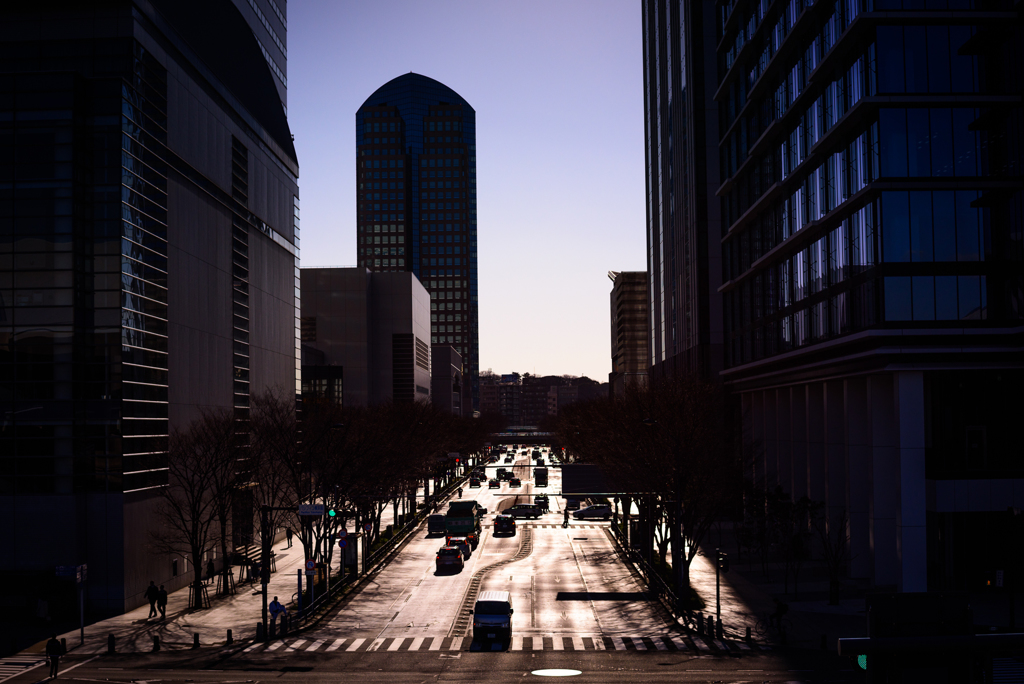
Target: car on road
(504,474)
(436,524)
(449,557)
(572,503)
(475,482)
(492,616)
(504,524)
(524,510)
(493,484)
(541,501)
(515,482)
(462,544)
(602,511)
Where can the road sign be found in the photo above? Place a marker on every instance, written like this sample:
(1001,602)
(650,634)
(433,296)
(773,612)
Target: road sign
(311,509)
(310,565)
(342,543)
(310,573)
(368,526)
(342,534)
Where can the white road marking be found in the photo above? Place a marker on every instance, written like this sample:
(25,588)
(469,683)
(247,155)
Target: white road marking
(435,645)
(537,643)
(375,645)
(336,645)
(253,647)
(742,645)
(276,645)
(639,643)
(416,643)
(679,643)
(659,643)
(598,643)
(456,644)
(315,645)
(617,642)
(577,644)
(557,644)
(701,645)
(354,646)
(396,644)
(517,644)
(294,646)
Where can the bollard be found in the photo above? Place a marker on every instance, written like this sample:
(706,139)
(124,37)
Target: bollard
(284,624)
(111,640)
(231,639)
(156,643)
(748,632)
(700,623)
(259,632)
(824,642)
(711,626)
(719,630)
(273,629)
(63,646)
(195,641)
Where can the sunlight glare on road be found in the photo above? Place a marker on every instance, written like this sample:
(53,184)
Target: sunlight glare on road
(556,673)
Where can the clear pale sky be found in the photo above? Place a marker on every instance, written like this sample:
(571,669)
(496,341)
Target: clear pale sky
(558,91)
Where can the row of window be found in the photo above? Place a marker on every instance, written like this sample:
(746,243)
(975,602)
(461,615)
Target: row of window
(936,298)
(443,238)
(444,250)
(434,318)
(385,127)
(441,284)
(934,226)
(378,251)
(436,305)
(447,328)
(382,240)
(378,196)
(926,59)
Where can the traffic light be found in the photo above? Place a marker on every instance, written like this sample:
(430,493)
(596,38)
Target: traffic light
(723,561)
(331,513)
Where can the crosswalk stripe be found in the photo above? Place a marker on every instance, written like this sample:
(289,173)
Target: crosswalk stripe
(537,643)
(294,646)
(638,642)
(557,644)
(276,645)
(396,644)
(354,646)
(701,645)
(456,644)
(375,645)
(598,643)
(742,645)
(619,646)
(435,645)
(577,644)
(336,645)
(517,644)
(251,648)
(678,643)
(720,644)
(316,644)
(416,643)
(659,643)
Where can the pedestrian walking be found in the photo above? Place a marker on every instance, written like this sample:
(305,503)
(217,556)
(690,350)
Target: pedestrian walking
(276,610)
(152,594)
(565,518)
(161,602)
(54,651)
(210,570)
(288,534)
(460,492)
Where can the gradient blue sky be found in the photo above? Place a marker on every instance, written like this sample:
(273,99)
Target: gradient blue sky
(558,91)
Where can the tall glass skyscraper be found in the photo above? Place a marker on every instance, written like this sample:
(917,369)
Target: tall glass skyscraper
(416,192)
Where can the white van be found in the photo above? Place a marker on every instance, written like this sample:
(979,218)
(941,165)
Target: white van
(492,616)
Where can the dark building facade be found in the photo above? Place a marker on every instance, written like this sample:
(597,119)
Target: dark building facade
(416,192)
(683,226)
(446,378)
(629,334)
(148,269)
(873,282)
(268,20)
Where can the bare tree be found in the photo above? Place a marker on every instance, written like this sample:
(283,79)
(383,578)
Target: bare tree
(200,468)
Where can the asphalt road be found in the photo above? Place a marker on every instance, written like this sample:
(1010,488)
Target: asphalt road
(577,607)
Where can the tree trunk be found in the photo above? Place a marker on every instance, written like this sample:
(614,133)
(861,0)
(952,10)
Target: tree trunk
(680,567)
(226,561)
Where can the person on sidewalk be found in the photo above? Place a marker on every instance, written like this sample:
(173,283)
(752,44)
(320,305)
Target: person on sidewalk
(276,610)
(565,518)
(460,492)
(288,534)
(54,651)
(161,602)
(152,594)
(210,570)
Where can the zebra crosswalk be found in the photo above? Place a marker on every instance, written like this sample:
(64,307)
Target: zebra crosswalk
(551,526)
(12,666)
(548,642)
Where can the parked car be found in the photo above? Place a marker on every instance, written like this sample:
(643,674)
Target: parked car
(504,524)
(435,524)
(493,484)
(515,482)
(449,557)
(541,502)
(524,510)
(602,511)
(462,544)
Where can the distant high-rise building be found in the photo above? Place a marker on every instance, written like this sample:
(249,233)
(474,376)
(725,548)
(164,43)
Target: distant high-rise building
(629,307)
(416,210)
(149,197)
(446,378)
(683,226)
(873,279)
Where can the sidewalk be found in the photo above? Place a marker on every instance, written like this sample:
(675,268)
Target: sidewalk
(239,612)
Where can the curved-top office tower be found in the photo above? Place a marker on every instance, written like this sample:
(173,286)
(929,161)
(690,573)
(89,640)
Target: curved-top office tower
(416,185)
